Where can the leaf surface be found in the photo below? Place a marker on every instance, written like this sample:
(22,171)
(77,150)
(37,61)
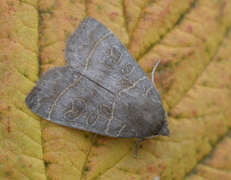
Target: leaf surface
(193,41)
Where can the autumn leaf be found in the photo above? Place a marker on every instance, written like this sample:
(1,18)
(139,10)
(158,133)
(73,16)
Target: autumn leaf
(192,38)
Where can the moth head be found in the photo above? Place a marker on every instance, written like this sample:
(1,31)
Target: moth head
(164,131)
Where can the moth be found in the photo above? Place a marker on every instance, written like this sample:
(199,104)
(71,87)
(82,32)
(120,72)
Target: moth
(102,89)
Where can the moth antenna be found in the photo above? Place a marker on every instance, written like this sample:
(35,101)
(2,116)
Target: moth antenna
(137,145)
(154,69)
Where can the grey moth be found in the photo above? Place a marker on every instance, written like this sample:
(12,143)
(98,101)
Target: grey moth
(102,89)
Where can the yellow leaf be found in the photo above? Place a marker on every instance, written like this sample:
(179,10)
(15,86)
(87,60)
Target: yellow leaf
(192,38)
